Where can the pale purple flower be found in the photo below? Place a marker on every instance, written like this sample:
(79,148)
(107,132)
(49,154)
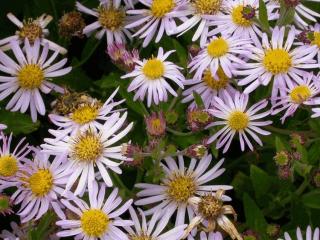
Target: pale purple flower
(29,75)
(100,219)
(150,78)
(308,236)
(232,113)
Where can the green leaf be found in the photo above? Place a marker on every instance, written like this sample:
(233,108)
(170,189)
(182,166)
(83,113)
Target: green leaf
(281,145)
(42,230)
(263,15)
(254,216)
(18,123)
(109,81)
(311,199)
(181,52)
(260,180)
(198,99)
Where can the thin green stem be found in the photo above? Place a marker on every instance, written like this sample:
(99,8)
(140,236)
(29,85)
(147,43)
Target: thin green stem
(54,9)
(286,131)
(175,100)
(144,109)
(177,133)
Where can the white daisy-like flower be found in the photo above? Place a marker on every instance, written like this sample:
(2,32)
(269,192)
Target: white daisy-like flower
(111,19)
(154,228)
(11,162)
(221,52)
(308,236)
(28,76)
(209,236)
(238,19)
(158,19)
(89,115)
(200,10)
(237,119)
(90,149)
(31,29)
(179,185)
(299,94)
(42,182)
(208,87)
(98,220)
(150,77)
(278,61)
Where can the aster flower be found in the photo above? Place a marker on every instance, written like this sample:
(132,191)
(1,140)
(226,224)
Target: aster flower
(42,182)
(237,119)
(150,77)
(219,52)
(297,95)
(31,29)
(309,235)
(211,213)
(154,228)
(99,219)
(111,19)
(180,184)
(208,87)
(28,76)
(90,149)
(237,19)
(88,114)
(158,19)
(11,161)
(200,10)
(278,61)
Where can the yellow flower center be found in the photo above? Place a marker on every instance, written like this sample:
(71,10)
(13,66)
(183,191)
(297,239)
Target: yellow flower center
(111,18)
(94,222)
(238,120)
(181,188)
(237,17)
(30,76)
(41,182)
(217,47)
(30,30)
(277,61)
(299,94)
(209,7)
(88,147)
(8,166)
(159,8)
(85,113)
(216,84)
(316,40)
(210,207)
(142,236)
(153,69)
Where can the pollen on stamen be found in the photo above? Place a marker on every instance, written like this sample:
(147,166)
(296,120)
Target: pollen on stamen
(111,18)
(181,188)
(277,61)
(153,69)
(41,182)
(217,47)
(31,30)
(209,7)
(8,166)
(216,83)
(30,76)
(86,113)
(299,94)
(238,120)
(159,8)
(94,222)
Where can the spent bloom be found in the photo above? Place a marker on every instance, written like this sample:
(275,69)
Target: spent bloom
(157,19)
(29,75)
(71,24)
(100,219)
(110,21)
(150,78)
(89,150)
(123,58)
(31,29)
(237,118)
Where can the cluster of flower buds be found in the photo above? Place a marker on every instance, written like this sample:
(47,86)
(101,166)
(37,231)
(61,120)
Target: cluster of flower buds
(198,119)
(123,58)
(156,124)
(132,151)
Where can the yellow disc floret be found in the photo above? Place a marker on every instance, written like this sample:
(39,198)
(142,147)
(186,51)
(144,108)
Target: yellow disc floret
(111,18)
(316,39)
(218,83)
(85,113)
(88,147)
(218,47)
(31,30)
(30,76)
(299,94)
(159,8)
(238,120)
(94,222)
(209,7)
(8,166)
(277,61)
(210,207)
(41,182)
(181,188)
(237,17)
(153,69)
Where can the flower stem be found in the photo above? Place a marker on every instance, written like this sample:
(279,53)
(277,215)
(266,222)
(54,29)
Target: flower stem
(177,133)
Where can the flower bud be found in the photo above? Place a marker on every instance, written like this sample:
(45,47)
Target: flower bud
(291,3)
(132,151)
(297,139)
(305,37)
(194,49)
(196,151)
(273,230)
(285,172)
(248,12)
(121,57)
(282,158)
(198,119)
(316,178)
(296,156)
(71,24)
(171,117)
(156,124)
(250,235)
(5,205)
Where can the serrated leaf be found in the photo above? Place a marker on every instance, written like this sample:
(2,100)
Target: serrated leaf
(260,180)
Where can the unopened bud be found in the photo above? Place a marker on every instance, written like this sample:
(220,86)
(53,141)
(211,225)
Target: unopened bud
(171,117)
(123,58)
(282,158)
(296,156)
(305,37)
(296,140)
(71,24)
(5,205)
(248,12)
(285,172)
(316,178)
(273,230)
(132,151)
(156,124)
(196,151)
(250,235)
(291,3)
(198,119)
